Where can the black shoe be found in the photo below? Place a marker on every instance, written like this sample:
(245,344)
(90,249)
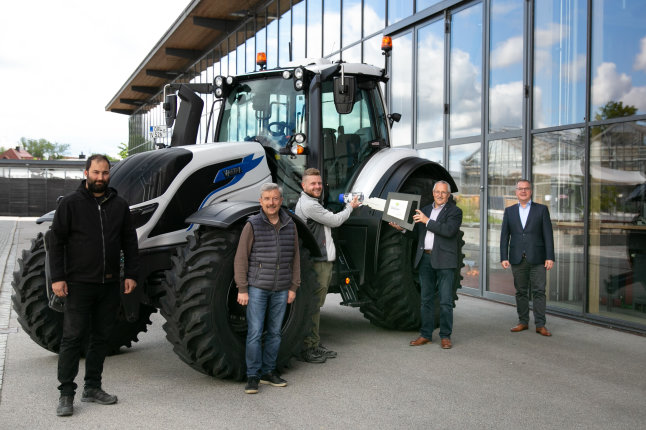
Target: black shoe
(311,355)
(272,378)
(65,406)
(99,396)
(327,353)
(252,385)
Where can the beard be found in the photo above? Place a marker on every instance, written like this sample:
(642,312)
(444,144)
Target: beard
(95,187)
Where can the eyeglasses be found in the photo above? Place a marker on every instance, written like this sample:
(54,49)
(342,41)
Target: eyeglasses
(444,193)
(523,189)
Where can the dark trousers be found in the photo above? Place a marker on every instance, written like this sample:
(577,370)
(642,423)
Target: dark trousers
(434,281)
(528,276)
(91,309)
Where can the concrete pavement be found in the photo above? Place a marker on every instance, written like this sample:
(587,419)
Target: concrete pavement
(584,377)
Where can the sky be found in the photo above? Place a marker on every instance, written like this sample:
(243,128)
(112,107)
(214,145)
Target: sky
(62,61)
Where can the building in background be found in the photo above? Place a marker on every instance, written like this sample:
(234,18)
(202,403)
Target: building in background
(495,90)
(16,153)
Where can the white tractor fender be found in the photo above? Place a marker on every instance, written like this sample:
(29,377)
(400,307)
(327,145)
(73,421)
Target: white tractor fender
(376,166)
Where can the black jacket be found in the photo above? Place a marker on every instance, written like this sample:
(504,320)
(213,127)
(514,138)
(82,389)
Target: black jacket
(536,240)
(87,238)
(446,228)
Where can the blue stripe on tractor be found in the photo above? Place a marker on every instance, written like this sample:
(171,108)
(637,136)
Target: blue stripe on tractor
(237,170)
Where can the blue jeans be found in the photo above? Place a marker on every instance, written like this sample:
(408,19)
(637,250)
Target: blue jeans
(271,304)
(434,280)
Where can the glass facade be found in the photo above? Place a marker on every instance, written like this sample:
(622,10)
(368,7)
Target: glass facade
(496,90)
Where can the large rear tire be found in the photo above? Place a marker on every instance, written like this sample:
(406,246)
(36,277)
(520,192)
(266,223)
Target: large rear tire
(204,322)
(44,325)
(394,295)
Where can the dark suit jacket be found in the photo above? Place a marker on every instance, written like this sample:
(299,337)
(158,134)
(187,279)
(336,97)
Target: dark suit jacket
(445,243)
(536,240)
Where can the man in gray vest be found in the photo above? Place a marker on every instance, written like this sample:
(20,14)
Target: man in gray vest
(320,221)
(267,273)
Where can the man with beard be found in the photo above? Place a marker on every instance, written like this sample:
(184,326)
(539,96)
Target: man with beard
(320,222)
(90,229)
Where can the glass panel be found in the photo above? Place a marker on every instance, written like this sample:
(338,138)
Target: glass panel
(466,72)
(430,83)
(374,16)
(314,28)
(352,55)
(261,41)
(559,62)
(332,23)
(423,4)
(465,165)
(558,172)
(372,51)
(433,154)
(617,228)
(284,37)
(401,89)
(398,10)
(505,169)
(298,30)
(250,49)
(351,21)
(618,75)
(242,58)
(506,66)
(272,36)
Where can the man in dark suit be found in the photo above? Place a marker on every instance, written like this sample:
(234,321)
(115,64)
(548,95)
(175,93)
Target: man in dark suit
(437,226)
(527,245)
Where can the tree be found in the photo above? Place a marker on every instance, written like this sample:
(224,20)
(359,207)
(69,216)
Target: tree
(123,150)
(43,149)
(614,110)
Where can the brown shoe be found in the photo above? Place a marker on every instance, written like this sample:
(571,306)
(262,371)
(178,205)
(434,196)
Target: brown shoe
(446,343)
(419,341)
(519,327)
(543,331)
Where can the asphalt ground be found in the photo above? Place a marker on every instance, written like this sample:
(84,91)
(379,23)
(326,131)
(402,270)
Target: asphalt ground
(584,376)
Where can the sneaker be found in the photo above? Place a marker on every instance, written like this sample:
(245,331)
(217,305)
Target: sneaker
(65,406)
(327,353)
(252,385)
(99,396)
(311,355)
(272,378)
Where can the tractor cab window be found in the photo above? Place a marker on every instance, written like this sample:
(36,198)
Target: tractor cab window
(347,138)
(269,111)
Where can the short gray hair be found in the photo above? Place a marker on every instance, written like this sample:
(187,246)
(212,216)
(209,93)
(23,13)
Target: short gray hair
(443,182)
(270,186)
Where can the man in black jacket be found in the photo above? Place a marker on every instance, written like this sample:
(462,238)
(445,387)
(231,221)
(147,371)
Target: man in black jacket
(437,227)
(527,245)
(90,229)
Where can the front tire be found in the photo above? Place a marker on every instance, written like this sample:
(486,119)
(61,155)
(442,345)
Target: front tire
(204,322)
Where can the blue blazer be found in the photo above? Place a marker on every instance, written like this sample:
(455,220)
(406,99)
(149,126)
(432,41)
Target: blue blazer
(445,243)
(536,240)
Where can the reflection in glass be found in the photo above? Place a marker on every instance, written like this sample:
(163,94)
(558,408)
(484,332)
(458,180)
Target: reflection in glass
(430,82)
(423,4)
(374,16)
(352,55)
(506,66)
(558,168)
(434,154)
(261,41)
(465,165)
(332,23)
(466,72)
(284,38)
(504,170)
(298,31)
(314,28)
(401,89)
(559,62)
(372,52)
(617,226)
(618,75)
(272,36)
(351,21)
(398,10)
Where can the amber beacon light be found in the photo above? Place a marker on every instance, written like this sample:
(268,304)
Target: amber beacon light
(261,60)
(386,44)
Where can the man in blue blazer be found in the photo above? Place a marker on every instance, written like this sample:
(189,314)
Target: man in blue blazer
(437,226)
(527,245)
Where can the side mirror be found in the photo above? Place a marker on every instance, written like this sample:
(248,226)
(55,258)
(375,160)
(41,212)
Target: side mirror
(394,117)
(344,90)
(170,108)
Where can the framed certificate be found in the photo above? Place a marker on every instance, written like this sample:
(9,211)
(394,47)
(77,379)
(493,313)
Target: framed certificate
(400,209)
